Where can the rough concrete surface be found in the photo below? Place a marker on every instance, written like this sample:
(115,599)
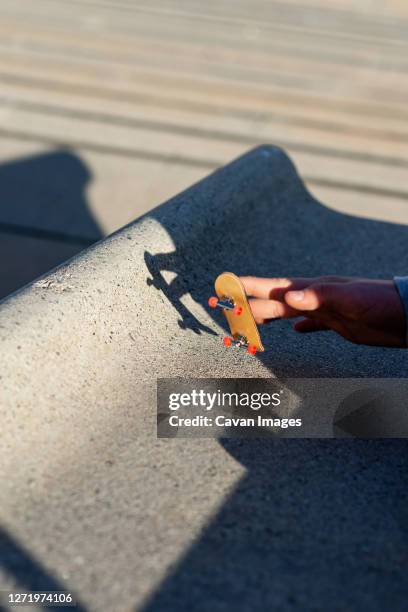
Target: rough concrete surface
(92,501)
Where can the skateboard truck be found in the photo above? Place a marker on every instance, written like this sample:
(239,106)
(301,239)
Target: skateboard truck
(238,342)
(227,304)
(231,298)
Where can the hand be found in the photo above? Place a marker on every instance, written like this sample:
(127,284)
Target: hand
(361,310)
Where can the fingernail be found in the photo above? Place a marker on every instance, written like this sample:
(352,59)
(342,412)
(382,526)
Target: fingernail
(297,296)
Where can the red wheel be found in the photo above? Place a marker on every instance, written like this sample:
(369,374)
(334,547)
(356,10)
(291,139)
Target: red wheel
(213,301)
(238,310)
(252,349)
(227,341)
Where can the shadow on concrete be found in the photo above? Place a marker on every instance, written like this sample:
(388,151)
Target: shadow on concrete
(44,215)
(174,290)
(314,523)
(26,572)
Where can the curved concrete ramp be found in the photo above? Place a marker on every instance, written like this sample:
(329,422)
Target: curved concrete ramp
(92,501)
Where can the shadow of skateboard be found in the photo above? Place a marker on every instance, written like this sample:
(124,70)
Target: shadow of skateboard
(174,290)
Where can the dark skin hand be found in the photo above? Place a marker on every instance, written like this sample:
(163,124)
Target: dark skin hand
(361,310)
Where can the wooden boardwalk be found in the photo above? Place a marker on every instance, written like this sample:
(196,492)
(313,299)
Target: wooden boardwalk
(109,108)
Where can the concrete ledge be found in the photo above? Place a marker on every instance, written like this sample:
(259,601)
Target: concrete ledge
(89,491)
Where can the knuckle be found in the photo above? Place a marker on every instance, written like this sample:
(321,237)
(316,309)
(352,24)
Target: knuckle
(286,282)
(275,311)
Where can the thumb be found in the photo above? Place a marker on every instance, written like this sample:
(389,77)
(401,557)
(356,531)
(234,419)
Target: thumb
(312,298)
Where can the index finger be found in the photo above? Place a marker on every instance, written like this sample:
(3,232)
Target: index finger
(268,288)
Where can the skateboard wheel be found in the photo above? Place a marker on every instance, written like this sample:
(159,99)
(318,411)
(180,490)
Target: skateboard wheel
(227,341)
(252,350)
(237,310)
(212,302)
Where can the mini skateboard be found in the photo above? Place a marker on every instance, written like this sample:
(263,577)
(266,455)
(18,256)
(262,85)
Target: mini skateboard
(232,299)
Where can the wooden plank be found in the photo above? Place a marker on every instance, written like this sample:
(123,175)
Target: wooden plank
(132,83)
(159,22)
(202,129)
(154,104)
(239,63)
